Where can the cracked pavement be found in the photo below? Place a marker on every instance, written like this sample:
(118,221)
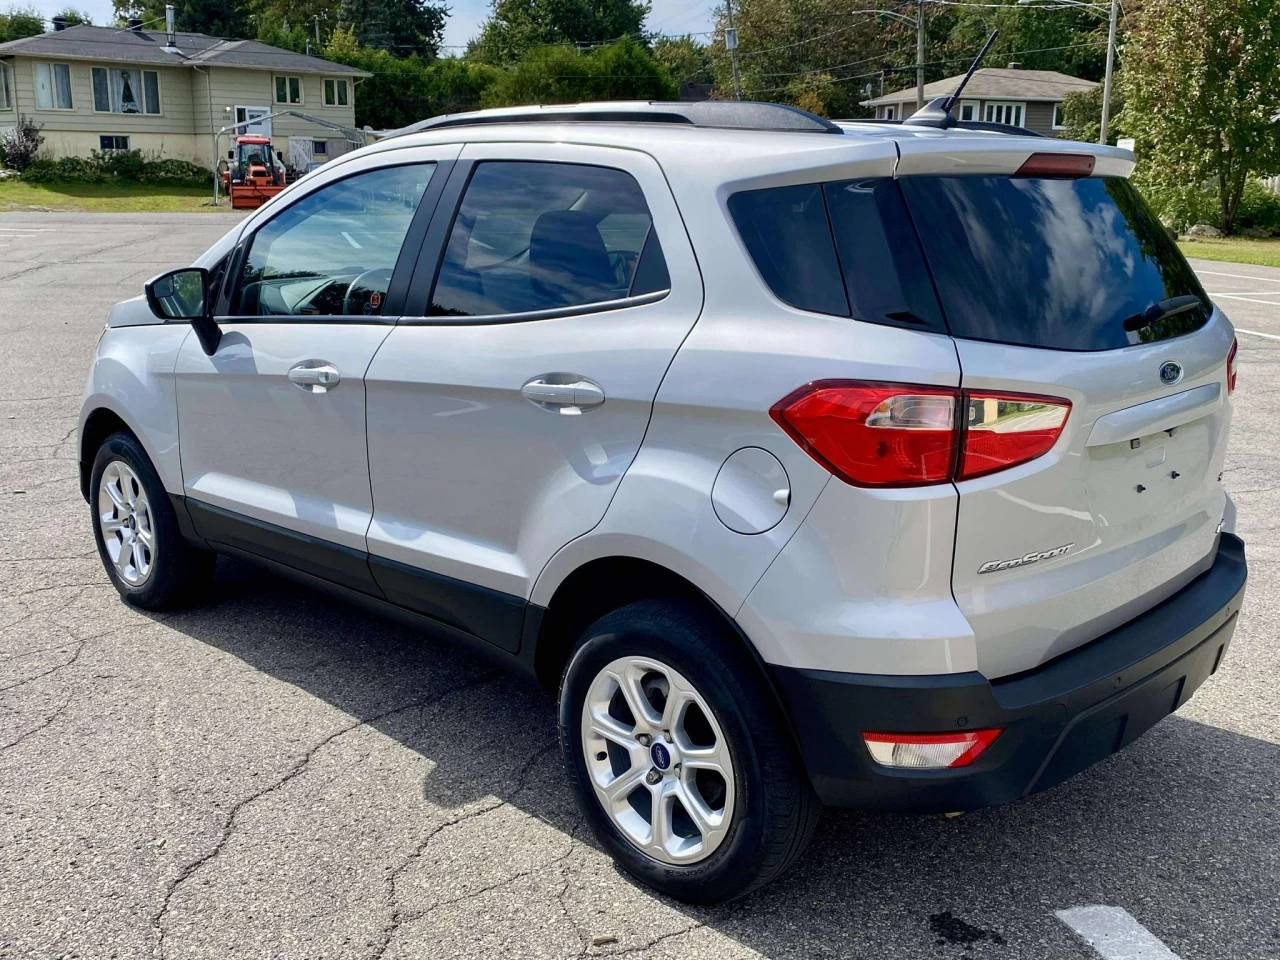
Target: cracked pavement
(275,774)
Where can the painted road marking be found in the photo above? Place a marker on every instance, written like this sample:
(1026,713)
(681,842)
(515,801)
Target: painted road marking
(1238,276)
(1255,333)
(1114,934)
(1245,293)
(1232,296)
(351,241)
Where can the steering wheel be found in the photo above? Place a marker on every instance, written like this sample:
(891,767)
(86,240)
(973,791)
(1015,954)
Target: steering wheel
(374,283)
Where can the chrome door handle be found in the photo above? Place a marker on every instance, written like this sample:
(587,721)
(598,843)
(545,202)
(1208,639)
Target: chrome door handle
(315,376)
(564,393)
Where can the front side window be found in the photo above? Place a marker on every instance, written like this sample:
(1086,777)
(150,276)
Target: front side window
(53,86)
(331,254)
(335,93)
(6,94)
(126,90)
(288,89)
(534,236)
(1010,113)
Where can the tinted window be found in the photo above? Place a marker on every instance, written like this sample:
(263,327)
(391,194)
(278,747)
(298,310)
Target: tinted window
(542,236)
(332,252)
(1051,263)
(884,271)
(786,232)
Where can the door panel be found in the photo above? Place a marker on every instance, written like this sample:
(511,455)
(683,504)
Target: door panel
(476,478)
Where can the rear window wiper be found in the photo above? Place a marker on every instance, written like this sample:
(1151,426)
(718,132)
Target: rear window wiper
(1161,311)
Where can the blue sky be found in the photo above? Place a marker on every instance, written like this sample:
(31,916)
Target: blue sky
(668,16)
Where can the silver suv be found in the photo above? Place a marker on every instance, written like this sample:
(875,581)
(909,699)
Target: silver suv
(875,465)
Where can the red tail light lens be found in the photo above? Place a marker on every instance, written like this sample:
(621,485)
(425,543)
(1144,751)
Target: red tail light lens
(930,751)
(1231,367)
(1004,430)
(1071,165)
(874,434)
(907,435)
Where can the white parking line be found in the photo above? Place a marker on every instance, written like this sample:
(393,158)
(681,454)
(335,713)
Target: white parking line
(1255,333)
(1244,293)
(1232,296)
(1114,934)
(1238,276)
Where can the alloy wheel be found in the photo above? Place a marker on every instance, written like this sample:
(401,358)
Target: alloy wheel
(124,516)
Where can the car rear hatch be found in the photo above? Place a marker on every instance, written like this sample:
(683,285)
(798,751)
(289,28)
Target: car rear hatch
(1061,288)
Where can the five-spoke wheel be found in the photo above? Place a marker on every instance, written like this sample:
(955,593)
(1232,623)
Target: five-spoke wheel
(124,517)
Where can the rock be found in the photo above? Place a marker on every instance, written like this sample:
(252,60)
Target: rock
(1204,230)
(1257,233)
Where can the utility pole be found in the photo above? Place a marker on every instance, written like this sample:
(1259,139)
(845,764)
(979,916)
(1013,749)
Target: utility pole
(731,44)
(1106,86)
(920,54)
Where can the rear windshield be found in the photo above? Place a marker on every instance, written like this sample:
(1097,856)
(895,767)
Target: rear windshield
(1069,264)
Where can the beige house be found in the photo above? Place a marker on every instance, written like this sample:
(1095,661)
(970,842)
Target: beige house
(1024,98)
(103,88)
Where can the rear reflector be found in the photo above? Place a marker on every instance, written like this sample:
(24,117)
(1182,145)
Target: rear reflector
(907,435)
(1231,367)
(929,751)
(1070,165)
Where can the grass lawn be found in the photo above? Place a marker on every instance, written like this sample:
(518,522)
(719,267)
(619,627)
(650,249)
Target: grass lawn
(106,197)
(1265,253)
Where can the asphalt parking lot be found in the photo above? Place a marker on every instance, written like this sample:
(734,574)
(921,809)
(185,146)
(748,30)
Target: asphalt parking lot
(278,775)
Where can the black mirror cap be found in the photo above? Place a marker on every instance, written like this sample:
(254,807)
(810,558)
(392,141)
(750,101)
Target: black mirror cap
(183,294)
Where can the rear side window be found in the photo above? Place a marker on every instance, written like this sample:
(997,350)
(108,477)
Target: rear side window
(532,236)
(846,248)
(1066,264)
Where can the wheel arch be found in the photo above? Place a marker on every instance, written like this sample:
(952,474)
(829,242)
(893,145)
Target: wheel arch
(100,423)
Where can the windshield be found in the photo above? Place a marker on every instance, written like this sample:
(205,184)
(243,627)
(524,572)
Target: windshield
(1066,264)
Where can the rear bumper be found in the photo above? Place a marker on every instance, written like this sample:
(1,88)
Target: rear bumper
(1059,718)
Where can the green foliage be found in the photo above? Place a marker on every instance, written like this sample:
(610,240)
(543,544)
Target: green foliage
(1070,41)
(403,91)
(116,166)
(401,27)
(1182,206)
(74,17)
(562,74)
(218,18)
(1259,207)
(19,23)
(516,27)
(1082,113)
(1201,95)
(685,59)
(20,144)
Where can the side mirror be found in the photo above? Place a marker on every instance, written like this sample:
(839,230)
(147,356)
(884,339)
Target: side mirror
(184,295)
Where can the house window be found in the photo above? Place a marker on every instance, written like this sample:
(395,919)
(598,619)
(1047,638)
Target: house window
(968,111)
(53,86)
(112,142)
(6,98)
(890,113)
(335,93)
(319,148)
(288,89)
(1059,117)
(1010,113)
(126,90)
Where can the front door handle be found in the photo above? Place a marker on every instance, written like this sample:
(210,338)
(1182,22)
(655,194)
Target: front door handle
(315,376)
(563,392)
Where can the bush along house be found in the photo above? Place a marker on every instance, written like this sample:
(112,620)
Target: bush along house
(168,94)
(1024,98)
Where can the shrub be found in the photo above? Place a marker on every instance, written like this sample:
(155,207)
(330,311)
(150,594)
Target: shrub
(116,166)
(1259,207)
(62,170)
(20,144)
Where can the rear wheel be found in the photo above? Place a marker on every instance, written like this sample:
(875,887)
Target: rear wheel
(136,530)
(683,769)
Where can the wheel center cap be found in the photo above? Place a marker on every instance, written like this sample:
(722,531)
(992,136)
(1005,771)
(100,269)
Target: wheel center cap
(661,755)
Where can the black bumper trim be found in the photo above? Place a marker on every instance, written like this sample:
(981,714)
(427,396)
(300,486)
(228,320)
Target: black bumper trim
(1059,718)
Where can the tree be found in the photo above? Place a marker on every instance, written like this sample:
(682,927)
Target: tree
(517,26)
(684,58)
(217,18)
(1201,95)
(74,17)
(401,27)
(1082,114)
(562,74)
(20,23)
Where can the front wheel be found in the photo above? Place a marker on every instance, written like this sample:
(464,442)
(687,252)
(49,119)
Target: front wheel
(679,761)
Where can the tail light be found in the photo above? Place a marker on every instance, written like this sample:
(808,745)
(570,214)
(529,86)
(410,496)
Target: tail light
(1066,165)
(930,751)
(1231,367)
(904,435)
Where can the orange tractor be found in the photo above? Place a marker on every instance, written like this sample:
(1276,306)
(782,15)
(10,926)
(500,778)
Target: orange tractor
(253,174)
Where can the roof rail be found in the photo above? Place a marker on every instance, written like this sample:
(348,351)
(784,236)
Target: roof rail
(987,125)
(723,114)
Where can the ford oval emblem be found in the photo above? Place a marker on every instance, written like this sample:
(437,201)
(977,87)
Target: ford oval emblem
(1170,372)
(661,756)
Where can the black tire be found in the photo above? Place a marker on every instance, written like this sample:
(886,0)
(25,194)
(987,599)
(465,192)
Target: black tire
(775,810)
(181,573)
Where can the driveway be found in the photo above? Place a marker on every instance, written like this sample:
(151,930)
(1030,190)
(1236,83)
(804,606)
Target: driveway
(279,775)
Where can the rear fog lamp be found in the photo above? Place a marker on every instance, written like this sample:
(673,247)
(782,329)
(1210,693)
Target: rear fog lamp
(929,751)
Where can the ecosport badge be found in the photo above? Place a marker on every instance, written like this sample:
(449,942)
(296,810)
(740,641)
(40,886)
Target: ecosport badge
(991,566)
